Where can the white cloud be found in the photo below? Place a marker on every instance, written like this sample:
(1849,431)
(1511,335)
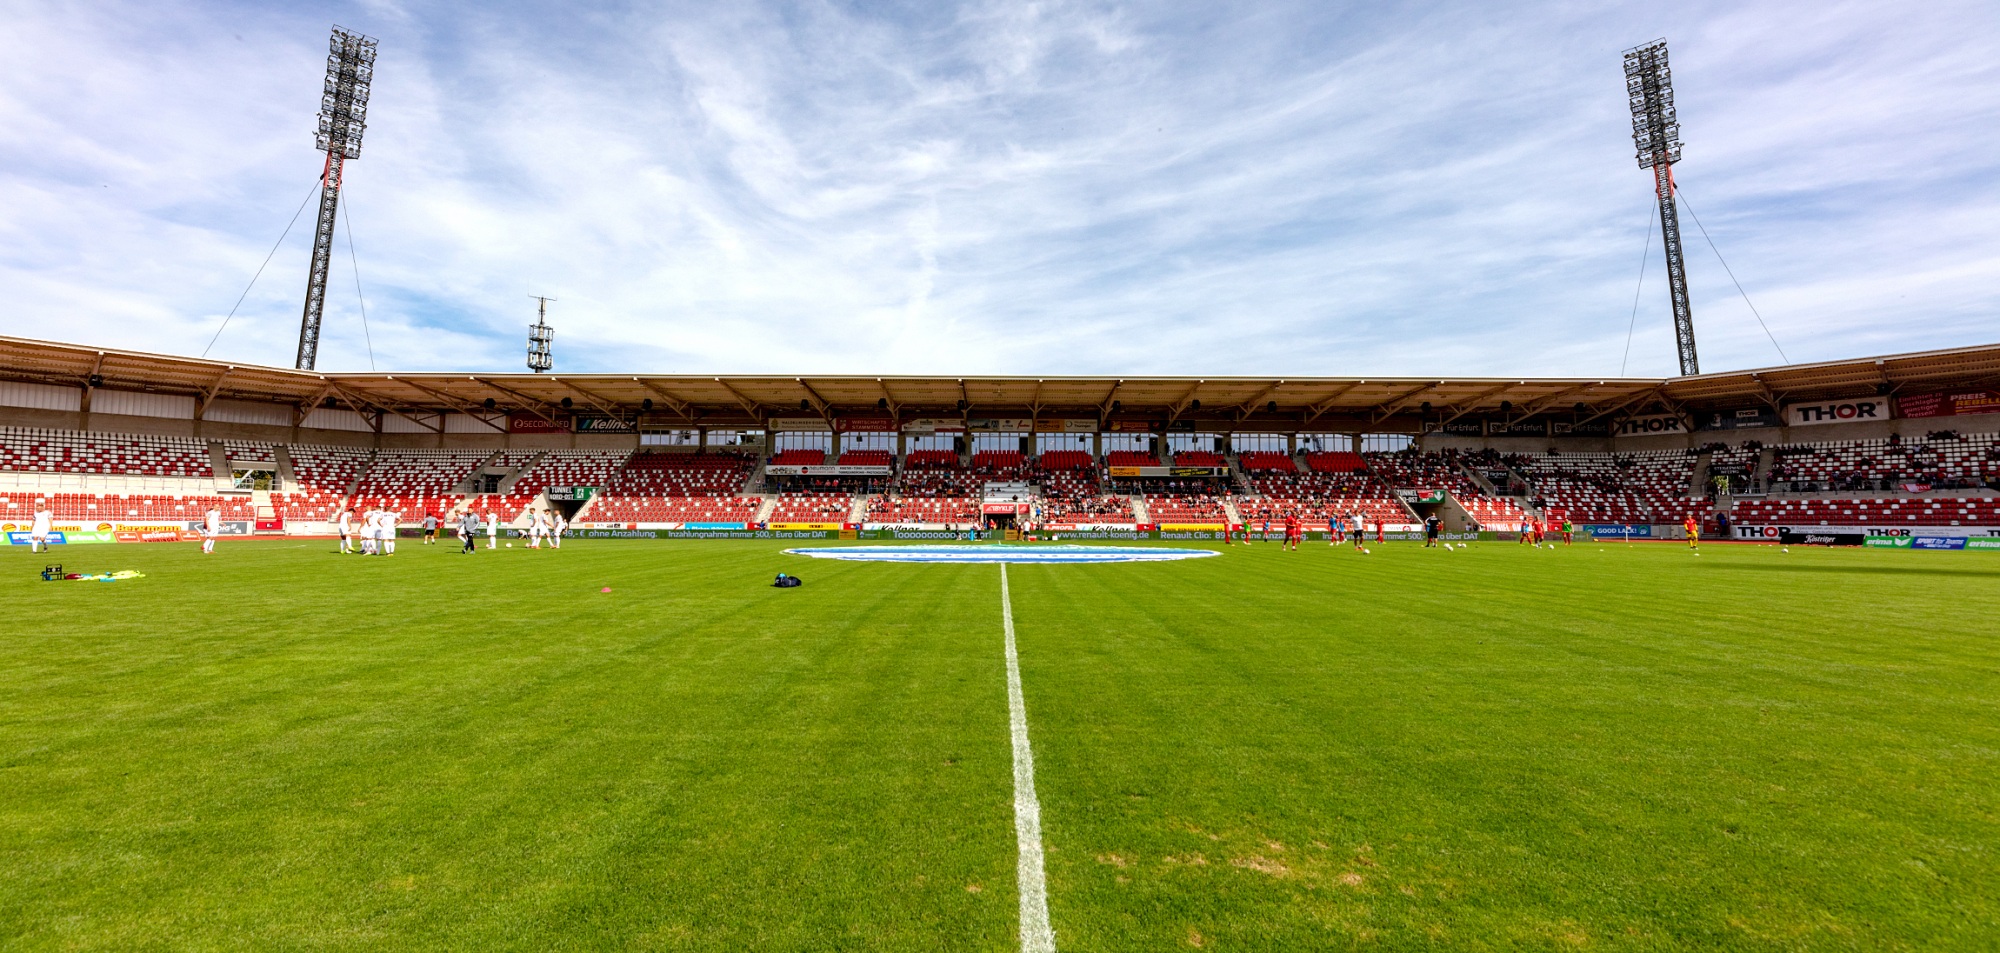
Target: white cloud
(1007,187)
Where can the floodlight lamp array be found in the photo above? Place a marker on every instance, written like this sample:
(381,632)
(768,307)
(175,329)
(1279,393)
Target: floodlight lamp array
(541,340)
(343,101)
(1649,89)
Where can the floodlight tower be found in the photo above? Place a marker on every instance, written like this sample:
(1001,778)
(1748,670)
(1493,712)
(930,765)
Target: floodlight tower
(1656,131)
(343,115)
(541,337)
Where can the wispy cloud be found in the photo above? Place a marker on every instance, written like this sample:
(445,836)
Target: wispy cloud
(1050,187)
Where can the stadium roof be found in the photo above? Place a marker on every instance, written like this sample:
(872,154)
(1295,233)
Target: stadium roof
(1334,404)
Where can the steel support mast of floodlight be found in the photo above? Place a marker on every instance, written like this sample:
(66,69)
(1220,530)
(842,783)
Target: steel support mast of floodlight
(541,338)
(343,116)
(1656,132)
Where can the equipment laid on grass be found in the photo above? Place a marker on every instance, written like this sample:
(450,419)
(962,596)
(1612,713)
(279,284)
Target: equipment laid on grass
(787,582)
(56,574)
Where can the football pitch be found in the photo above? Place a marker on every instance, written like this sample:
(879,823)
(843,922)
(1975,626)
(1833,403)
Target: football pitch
(1611,746)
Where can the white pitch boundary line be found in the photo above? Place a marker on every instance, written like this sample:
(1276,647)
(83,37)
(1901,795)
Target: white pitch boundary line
(1036,935)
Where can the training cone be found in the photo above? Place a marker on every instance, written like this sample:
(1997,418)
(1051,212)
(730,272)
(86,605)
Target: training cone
(605,589)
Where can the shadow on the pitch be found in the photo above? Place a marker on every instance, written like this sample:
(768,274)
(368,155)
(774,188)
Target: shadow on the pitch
(1861,570)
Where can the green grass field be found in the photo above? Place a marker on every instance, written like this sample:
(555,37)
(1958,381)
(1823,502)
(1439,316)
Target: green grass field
(1607,747)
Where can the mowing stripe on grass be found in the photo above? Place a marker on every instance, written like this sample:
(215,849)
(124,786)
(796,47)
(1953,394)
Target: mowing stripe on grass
(1036,935)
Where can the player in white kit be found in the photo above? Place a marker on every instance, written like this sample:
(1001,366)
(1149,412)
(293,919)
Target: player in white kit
(40,531)
(371,532)
(347,530)
(390,520)
(492,530)
(211,527)
(536,529)
(561,527)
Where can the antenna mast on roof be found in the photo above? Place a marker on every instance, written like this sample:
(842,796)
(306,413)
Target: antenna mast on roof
(1656,132)
(541,337)
(343,115)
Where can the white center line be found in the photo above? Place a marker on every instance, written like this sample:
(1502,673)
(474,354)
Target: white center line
(1036,935)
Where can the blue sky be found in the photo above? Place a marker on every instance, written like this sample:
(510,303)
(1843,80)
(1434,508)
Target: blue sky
(1016,188)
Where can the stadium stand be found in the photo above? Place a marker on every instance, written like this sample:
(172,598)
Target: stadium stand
(34,450)
(570,468)
(416,482)
(796,507)
(1186,508)
(1316,497)
(1443,470)
(1070,491)
(798,458)
(866,458)
(127,507)
(1000,464)
(1130,458)
(1341,461)
(250,451)
(676,488)
(1061,460)
(1648,487)
(1199,458)
(1265,461)
(930,459)
(938,483)
(902,509)
(1886,511)
(1955,462)
(1737,463)
(321,476)
(1089,508)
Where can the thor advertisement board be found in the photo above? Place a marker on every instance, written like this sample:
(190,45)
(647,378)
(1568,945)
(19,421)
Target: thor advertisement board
(1776,532)
(1837,412)
(1954,403)
(1650,425)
